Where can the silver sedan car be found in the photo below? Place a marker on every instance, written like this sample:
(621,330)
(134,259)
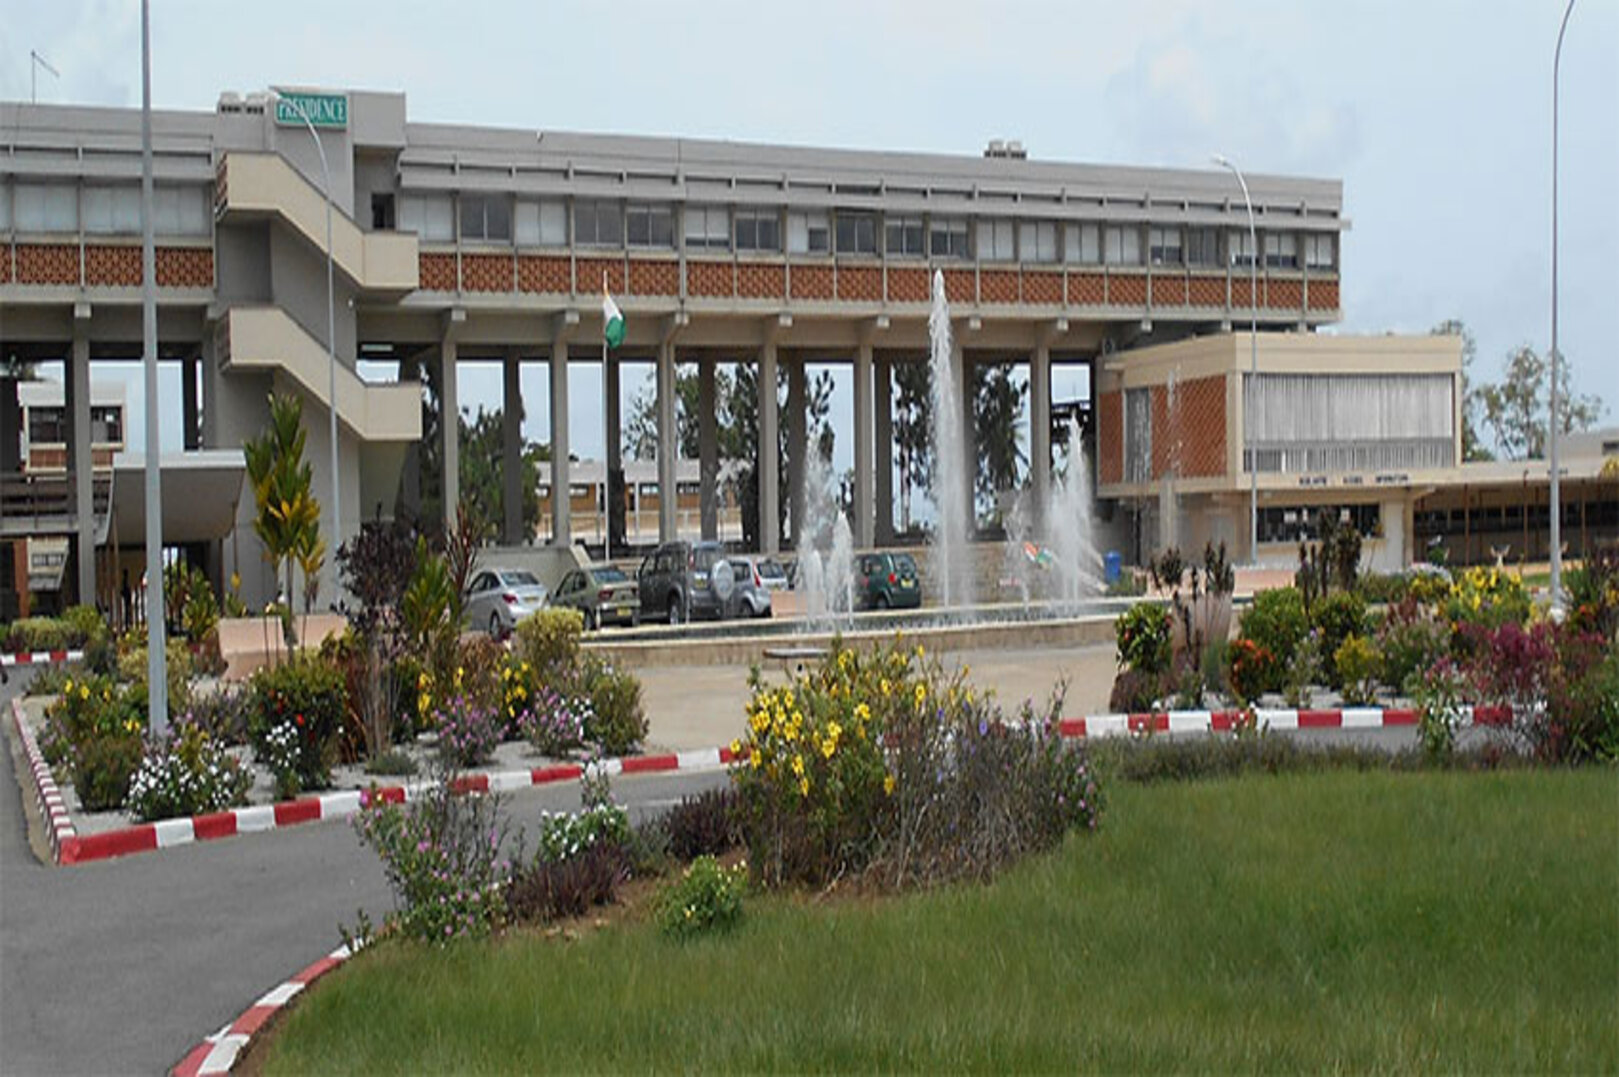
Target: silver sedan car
(500,597)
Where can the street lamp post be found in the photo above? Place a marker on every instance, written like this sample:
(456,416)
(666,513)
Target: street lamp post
(1552,423)
(157,677)
(331,322)
(1253,362)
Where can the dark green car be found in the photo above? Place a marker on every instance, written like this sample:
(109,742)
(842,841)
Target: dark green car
(887,581)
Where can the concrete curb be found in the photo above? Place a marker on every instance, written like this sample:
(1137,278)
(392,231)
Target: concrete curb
(39,658)
(218,1053)
(51,805)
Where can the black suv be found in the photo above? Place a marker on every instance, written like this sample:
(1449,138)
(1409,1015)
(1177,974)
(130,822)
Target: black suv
(682,580)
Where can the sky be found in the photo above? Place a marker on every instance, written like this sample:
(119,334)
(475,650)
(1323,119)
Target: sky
(1436,114)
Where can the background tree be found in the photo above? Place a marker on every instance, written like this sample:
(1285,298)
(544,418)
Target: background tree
(482,467)
(287,520)
(1472,447)
(1515,408)
(997,410)
(913,432)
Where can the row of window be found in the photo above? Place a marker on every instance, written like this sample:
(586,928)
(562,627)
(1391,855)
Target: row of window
(104,209)
(610,223)
(47,425)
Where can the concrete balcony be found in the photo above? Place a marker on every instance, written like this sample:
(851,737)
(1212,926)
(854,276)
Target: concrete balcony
(262,184)
(266,338)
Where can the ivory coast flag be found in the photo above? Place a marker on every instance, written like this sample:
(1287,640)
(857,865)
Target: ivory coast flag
(612,320)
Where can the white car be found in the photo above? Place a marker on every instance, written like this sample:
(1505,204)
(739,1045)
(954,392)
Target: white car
(500,597)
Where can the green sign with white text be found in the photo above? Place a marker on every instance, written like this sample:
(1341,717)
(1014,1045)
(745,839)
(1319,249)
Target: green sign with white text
(323,109)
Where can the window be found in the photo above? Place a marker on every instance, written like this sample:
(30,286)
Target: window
(857,233)
(650,226)
(995,241)
(1037,241)
(1202,247)
(1281,250)
(808,233)
(1241,247)
(1164,246)
(1084,244)
(758,230)
(1318,252)
(382,212)
(948,239)
(1137,435)
(708,228)
(430,216)
(1122,245)
(46,207)
(106,425)
(5,208)
(112,210)
(486,217)
(181,211)
(542,224)
(903,237)
(46,425)
(598,224)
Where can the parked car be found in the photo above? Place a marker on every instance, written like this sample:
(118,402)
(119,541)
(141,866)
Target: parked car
(602,593)
(682,580)
(773,574)
(500,597)
(751,594)
(885,581)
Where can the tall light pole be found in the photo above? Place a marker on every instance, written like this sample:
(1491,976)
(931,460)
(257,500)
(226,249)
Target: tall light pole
(1253,362)
(1552,422)
(157,677)
(331,324)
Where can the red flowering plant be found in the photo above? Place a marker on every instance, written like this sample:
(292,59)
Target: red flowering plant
(1250,668)
(295,719)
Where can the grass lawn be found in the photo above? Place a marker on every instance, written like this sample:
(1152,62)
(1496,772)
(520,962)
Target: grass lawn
(1342,921)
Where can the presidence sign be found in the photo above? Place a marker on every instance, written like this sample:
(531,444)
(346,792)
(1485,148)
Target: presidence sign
(323,109)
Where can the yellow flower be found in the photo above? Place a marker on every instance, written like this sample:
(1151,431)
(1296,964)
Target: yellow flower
(69,686)
(888,785)
(862,712)
(84,691)
(803,787)
(919,651)
(753,760)
(422,681)
(829,747)
(885,686)
(921,693)
(798,765)
(736,747)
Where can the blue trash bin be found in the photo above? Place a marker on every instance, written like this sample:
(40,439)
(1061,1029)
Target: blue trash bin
(1112,567)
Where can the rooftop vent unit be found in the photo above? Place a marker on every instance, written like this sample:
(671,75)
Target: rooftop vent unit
(256,103)
(230,102)
(1006,150)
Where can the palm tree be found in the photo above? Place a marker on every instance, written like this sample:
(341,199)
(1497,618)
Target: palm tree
(288,520)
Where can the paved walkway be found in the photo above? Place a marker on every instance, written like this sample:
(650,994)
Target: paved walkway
(703,706)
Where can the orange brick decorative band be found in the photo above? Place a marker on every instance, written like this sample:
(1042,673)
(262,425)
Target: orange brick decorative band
(185,267)
(654,278)
(860,284)
(538,274)
(710,279)
(1110,437)
(587,275)
(486,272)
(47,263)
(437,272)
(812,282)
(112,267)
(761,280)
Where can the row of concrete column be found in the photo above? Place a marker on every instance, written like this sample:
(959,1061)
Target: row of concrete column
(873,439)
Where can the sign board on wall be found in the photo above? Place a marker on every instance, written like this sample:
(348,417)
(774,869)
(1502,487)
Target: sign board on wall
(323,109)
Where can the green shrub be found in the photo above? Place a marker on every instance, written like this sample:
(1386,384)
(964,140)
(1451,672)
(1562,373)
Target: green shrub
(103,765)
(186,773)
(1384,588)
(1251,667)
(41,634)
(1358,665)
(1440,692)
(617,722)
(703,825)
(1338,616)
(310,693)
(547,890)
(1142,632)
(85,623)
(1277,623)
(549,642)
(223,714)
(1134,691)
(706,897)
(566,834)
(393,761)
(1411,643)
(178,670)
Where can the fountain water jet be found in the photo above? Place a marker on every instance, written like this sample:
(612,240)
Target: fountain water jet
(950,492)
(1056,561)
(826,548)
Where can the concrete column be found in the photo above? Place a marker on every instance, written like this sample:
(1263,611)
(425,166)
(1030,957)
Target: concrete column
(967,465)
(797,440)
(864,463)
(614,448)
(883,490)
(449,431)
(80,466)
(769,453)
(511,451)
(561,517)
(410,485)
(708,449)
(190,417)
(668,445)
(1040,430)
(10,427)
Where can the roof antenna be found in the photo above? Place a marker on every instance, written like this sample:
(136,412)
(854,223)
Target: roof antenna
(33,74)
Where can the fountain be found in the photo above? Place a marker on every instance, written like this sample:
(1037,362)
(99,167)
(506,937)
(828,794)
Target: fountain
(1058,563)
(826,548)
(950,492)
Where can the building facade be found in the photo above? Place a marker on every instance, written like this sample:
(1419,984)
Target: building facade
(453,244)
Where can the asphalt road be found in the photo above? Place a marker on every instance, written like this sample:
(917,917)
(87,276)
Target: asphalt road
(121,966)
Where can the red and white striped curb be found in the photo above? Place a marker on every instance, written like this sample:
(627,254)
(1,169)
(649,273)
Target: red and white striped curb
(71,848)
(57,820)
(39,658)
(218,1053)
(1279,720)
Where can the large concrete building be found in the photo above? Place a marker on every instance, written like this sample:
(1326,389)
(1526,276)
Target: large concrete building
(456,244)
